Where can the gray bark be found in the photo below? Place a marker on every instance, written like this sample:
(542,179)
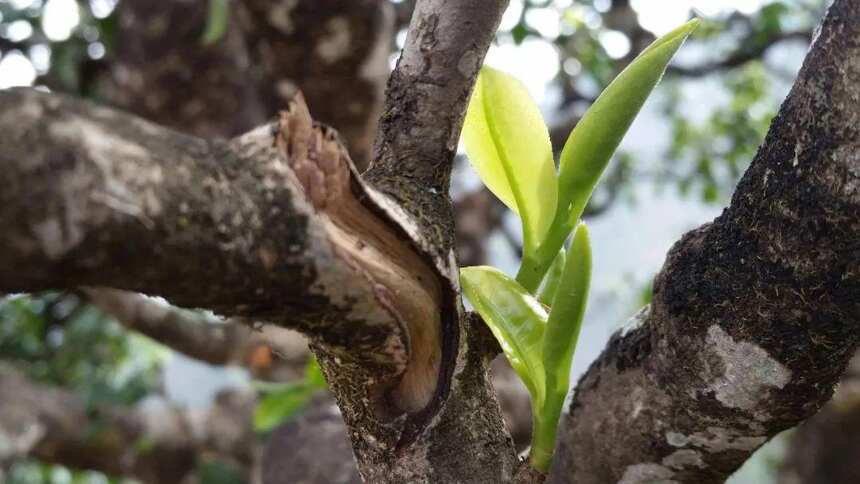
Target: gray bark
(754,315)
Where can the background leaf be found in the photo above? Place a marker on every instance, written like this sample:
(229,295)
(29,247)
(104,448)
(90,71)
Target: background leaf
(516,319)
(508,144)
(278,406)
(216,21)
(283,401)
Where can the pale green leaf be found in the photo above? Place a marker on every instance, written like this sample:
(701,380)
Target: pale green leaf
(516,319)
(597,135)
(216,21)
(508,144)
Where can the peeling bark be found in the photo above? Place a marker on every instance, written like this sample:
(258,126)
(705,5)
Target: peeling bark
(754,315)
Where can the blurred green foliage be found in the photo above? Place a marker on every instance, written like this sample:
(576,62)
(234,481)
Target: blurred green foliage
(57,339)
(280,402)
(714,153)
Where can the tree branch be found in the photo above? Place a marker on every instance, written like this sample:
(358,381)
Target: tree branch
(243,228)
(429,90)
(425,104)
(154,442)
(748,50)
(272,225)
(268,351)
(754,315)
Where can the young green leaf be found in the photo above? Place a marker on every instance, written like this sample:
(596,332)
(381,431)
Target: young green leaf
(553,278)
(593,141)
(280,405)
(216,21)
(516,319)
(597,135)
(559,343)
(508,144)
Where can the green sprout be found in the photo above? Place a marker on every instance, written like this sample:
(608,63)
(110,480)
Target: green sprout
(537,317)
(217,16)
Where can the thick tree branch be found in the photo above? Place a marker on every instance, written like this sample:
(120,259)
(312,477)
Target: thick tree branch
(153,442)
(267,351)
(263,226)
(272,225)
(754,315)
(425,103)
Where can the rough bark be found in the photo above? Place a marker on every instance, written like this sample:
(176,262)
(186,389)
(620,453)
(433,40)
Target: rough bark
(154,442)
(754,315)
(460,433)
